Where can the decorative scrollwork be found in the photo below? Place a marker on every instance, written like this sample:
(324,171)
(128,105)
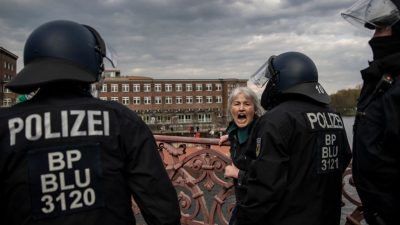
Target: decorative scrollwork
(206,197)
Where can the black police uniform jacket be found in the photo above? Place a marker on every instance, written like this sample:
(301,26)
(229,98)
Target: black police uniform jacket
(302,151)
(69,158)
(376,149)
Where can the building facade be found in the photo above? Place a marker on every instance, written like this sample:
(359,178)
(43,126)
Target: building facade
(8,69)
(177,106)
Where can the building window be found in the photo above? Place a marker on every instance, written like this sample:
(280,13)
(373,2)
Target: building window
(7,102)
(204,118)
(168,87)
(157,100)
(168,100)
(189,99)
(114,87)
(209,99)
(199,99)
(103,98)
(208,87)
(147,87)
(136,87)
(218,87)
(104,88)
(136,100)
(6,90)
(178,87)
(146,118)
(199,87)
(178,100)
(125,87)
(157,87)
(219,99)
(147,100)
(114,99)
(189,87)
(125,100)
(184,118)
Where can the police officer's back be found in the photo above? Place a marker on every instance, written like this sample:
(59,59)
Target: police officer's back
(376,155)
(301,149)
(67,157)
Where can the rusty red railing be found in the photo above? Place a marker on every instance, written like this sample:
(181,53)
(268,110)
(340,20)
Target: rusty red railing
(195,167)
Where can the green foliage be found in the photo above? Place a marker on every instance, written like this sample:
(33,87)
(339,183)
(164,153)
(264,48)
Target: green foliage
(345,101)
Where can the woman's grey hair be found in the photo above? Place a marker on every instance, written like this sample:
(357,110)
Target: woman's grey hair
(249,94)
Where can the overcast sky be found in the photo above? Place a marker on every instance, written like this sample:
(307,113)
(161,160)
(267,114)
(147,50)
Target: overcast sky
(183,39)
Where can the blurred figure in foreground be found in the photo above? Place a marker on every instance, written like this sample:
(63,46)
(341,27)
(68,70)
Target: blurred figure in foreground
(67,157)
(376,155)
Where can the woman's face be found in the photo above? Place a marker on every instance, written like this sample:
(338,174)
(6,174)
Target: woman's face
(242,110)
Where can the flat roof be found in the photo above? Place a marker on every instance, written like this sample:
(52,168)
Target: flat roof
(5,51)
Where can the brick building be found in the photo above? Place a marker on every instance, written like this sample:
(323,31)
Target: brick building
(182,106)
(168,106)
(8,69)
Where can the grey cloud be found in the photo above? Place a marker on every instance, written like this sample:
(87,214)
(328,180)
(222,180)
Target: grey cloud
(204,38)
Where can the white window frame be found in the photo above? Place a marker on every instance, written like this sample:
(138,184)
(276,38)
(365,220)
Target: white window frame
(178,87)
(199,87)
(136,87)
(114,99)
(158,100)
(168,87)
(178,100)
(204,118)
(218,87)
(168,100)
(184,118)
(125,101)
(219,99)
(189,99)
(189,87)
(125,87)
(199,99)
(208,87)
(114,87)
(7,102)
(209,99)
(104,88)
(157,87)
(136,100)
(147,100)
(147,87)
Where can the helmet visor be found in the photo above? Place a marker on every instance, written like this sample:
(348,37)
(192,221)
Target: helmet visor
(263,74)
(372,14)
(111,56)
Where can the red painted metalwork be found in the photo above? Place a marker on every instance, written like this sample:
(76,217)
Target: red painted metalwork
(195,167)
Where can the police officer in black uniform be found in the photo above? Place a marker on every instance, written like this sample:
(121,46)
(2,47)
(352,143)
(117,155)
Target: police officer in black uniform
(376,151)
(67,157)
(301,149)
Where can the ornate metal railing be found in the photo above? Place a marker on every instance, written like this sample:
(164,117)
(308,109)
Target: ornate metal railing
(195,167)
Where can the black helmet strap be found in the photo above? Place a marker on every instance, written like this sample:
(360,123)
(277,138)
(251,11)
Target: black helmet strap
(101,46)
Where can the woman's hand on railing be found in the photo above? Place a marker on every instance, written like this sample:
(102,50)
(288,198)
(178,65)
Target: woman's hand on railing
(222,139)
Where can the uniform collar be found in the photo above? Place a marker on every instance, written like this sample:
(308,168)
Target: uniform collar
(241,133)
